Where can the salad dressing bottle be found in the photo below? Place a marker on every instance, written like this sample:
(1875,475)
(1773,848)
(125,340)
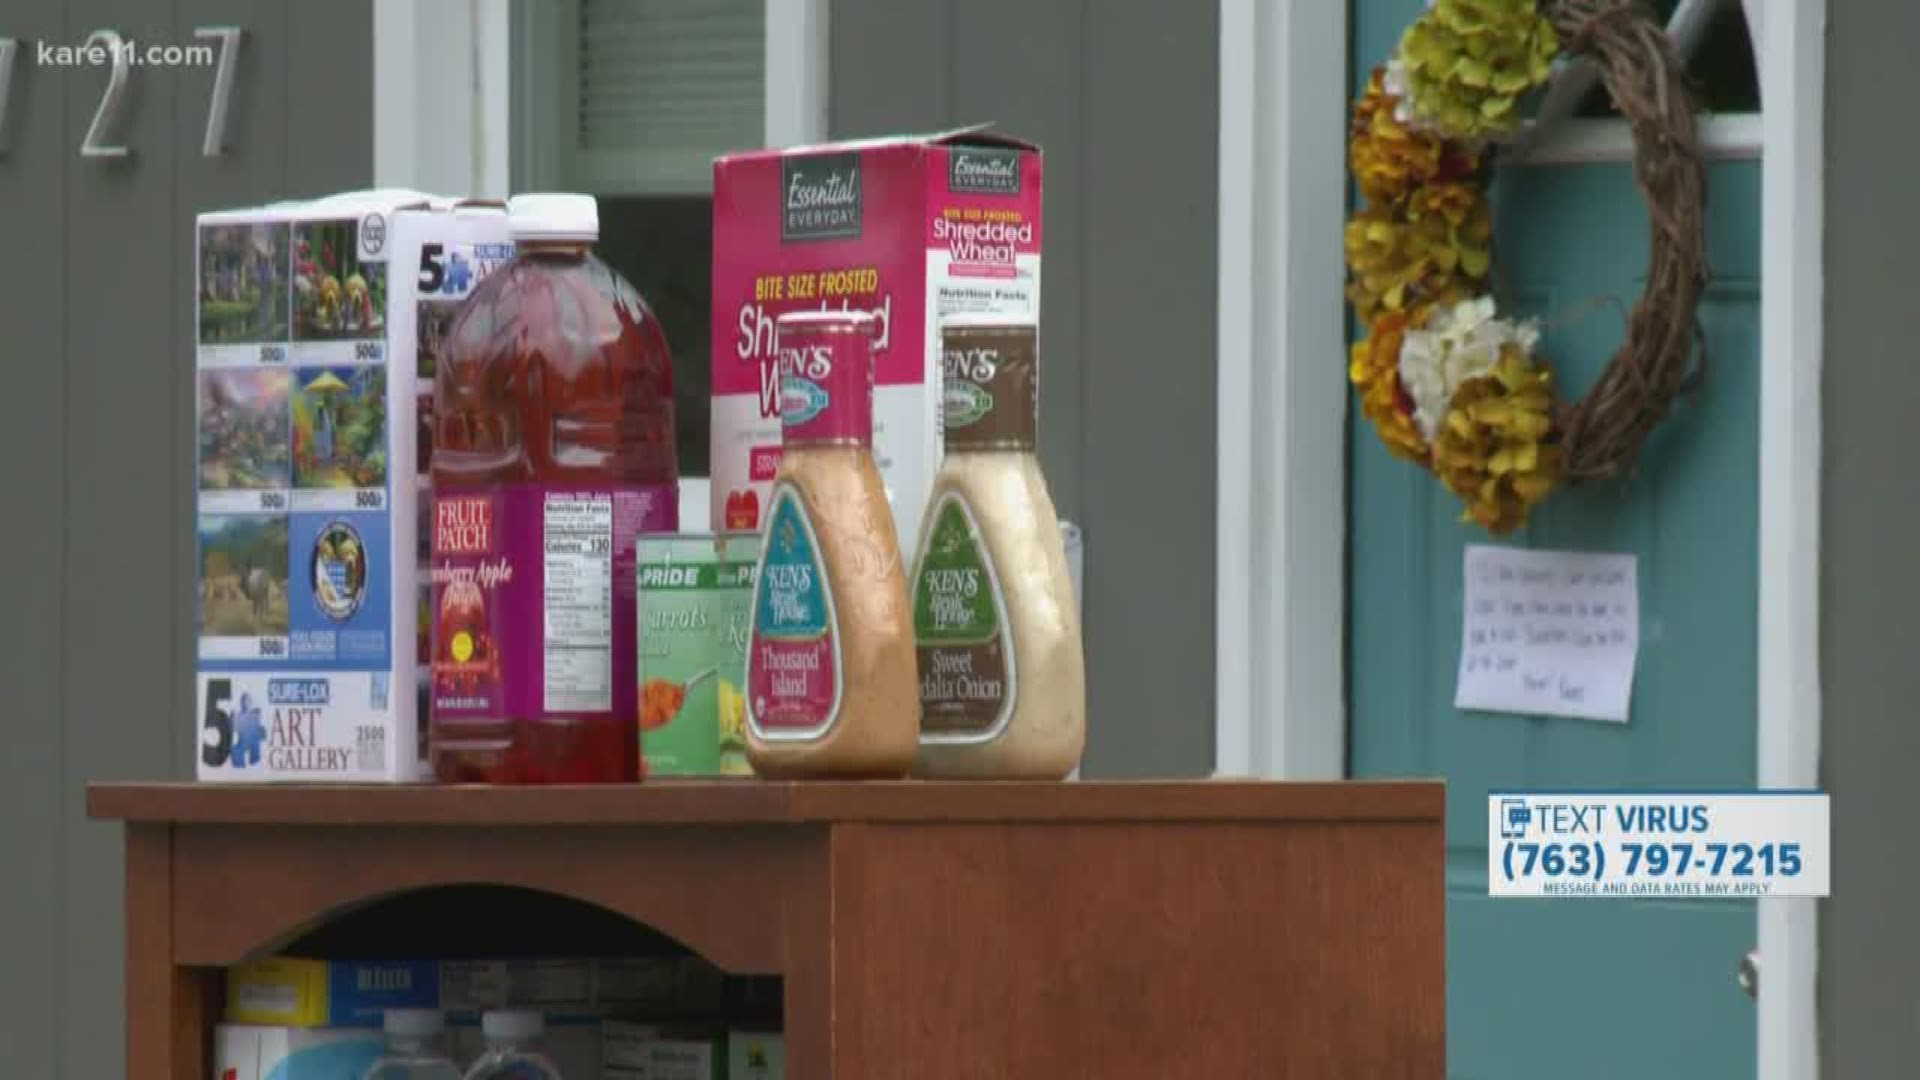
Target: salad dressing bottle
(1002,675)
(830,662)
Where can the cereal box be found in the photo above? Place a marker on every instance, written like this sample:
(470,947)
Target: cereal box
(910,228)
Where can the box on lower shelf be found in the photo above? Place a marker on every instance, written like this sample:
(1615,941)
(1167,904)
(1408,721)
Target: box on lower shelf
(321,1019)
(639,1051)
(308,993)
(257,1052)
(590,1050)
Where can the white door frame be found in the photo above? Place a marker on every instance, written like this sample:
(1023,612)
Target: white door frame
(427,136)
(1282,406)
(1280,589)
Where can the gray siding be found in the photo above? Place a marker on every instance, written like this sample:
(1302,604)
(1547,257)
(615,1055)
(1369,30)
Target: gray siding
(33,328)
(1869,590)
(1125,106)
(95,306)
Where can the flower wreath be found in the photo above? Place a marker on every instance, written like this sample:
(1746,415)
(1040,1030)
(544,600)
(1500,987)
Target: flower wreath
(1445,379)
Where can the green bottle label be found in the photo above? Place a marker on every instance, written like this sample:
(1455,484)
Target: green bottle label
(960,627)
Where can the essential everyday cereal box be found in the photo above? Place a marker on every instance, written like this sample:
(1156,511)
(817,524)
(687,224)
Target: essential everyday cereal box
(910,228)
(316,329)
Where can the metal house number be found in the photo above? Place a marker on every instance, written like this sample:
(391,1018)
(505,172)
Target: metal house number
(106,118)
(102,138)
(229,37)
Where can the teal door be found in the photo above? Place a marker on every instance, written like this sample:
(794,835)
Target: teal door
(1580,988)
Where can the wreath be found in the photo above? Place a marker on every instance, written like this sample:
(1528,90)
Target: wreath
(1445,379)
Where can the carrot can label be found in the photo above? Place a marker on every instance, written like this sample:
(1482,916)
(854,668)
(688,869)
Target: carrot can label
(793,657)
(695,594)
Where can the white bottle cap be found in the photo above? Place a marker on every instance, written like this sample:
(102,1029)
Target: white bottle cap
(512,1024)
(553,215)
(417,1023)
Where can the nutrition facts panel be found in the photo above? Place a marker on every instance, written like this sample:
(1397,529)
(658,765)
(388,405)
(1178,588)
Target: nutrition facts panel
(579,602)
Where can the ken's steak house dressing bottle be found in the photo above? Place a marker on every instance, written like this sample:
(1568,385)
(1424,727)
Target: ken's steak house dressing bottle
(830,669)
(1002,676)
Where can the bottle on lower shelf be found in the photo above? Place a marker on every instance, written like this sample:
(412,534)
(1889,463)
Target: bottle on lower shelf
(514,1050)
(416,1047)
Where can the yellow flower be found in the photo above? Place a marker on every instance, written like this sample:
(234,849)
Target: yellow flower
(1463,66)
(1433,249)
(1498,449)
(1453,219)
(1374,371)
(1388,158)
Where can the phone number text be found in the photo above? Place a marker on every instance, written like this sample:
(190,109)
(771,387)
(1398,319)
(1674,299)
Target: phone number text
(1631,859)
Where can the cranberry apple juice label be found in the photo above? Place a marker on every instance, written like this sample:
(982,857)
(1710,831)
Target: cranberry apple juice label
(793,655)
(533,597)
(909,230)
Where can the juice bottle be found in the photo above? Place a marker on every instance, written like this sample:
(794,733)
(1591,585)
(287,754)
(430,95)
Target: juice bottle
(830,662)
(553,449)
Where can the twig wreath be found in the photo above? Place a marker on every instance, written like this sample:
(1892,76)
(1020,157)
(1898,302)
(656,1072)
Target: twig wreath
(1447,381)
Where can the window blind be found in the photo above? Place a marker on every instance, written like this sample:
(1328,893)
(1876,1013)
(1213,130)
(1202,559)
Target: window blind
(664,86)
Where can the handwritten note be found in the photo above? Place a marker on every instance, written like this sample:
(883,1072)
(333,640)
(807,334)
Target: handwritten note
(1549,632)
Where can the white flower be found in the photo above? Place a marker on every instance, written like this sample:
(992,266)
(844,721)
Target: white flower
(1395,79)
(1406,109)
(1457,344)
(1395,82)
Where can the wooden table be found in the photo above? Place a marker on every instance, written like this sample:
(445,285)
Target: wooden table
(1114,930)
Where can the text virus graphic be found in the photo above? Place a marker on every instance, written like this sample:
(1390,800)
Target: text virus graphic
(1600,844)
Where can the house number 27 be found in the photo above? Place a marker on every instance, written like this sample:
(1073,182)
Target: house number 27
(102,139)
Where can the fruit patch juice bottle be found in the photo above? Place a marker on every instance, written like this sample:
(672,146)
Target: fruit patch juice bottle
(553,450)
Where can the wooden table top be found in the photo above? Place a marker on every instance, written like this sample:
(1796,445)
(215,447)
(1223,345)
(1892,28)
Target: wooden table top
(754,801)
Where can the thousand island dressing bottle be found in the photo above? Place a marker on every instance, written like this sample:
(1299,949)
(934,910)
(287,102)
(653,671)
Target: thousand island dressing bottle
(830,663)
(1002,675)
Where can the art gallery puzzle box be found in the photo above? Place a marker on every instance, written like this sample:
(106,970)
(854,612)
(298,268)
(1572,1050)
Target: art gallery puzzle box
(317,326)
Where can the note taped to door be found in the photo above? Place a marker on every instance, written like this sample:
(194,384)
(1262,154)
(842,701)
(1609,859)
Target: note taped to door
(1552,633)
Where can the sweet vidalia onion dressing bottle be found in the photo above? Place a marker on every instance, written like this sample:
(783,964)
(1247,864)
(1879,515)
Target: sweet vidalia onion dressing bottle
(553,449)
(1002,676)
(830,668)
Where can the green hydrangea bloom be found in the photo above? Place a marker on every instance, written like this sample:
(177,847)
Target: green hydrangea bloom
(1465,64)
